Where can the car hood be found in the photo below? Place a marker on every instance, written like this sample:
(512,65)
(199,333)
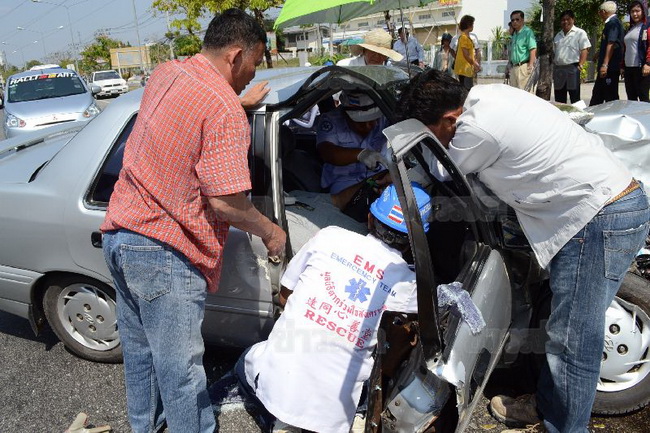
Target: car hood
(624,127)
(44,107)
(21,156)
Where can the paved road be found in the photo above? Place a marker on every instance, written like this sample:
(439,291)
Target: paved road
(44,387)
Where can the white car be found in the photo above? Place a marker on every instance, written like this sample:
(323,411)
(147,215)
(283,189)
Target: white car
(110,82)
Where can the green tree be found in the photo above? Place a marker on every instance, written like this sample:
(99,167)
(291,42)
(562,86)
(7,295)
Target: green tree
(97,55)
(31,63)
(192,10)
(500,38)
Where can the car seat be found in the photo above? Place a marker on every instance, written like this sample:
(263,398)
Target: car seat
(300,170)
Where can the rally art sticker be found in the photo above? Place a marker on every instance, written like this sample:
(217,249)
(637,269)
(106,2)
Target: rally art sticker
(41,77)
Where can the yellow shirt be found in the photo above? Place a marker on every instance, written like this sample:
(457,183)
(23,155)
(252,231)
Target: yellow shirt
(462,66)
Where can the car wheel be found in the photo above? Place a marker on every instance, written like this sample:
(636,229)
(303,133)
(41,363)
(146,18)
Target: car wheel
(624,384)
(82,313)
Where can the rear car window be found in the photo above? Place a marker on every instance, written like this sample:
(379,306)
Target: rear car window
(44,86)
(108,75)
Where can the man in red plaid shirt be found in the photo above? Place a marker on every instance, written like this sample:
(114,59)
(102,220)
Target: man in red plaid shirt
(183,183)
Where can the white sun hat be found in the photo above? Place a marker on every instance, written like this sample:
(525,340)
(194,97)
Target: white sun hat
(379,41)
(360,107)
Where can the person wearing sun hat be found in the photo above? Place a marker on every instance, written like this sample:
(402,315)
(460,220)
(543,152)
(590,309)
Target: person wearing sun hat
(376,50)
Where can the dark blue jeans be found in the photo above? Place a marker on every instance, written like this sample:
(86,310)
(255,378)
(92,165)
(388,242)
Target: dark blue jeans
(160,308)
(264,418)
(585,276)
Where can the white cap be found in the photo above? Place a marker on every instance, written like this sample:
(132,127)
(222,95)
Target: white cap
(360,107)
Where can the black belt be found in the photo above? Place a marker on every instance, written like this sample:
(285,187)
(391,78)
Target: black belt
(521,63)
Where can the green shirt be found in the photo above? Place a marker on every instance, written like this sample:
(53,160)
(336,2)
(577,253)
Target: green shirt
(521,43)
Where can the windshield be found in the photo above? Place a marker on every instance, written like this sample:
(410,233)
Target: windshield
(108,75)
(45,86)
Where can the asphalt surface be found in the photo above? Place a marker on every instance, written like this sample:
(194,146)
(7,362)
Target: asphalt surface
(43,387)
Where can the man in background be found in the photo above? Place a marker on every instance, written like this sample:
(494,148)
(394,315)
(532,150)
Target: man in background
(374,50)
(609,56)
(523,51)
(571,48)
(409,47)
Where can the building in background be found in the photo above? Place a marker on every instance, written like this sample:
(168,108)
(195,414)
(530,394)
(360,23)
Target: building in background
(426,23)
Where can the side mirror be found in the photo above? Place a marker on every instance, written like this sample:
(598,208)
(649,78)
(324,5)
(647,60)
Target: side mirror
(95,89)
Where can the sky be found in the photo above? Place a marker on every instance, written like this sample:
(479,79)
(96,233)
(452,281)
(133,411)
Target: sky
(46,23)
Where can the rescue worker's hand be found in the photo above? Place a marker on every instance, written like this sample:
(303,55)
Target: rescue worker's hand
(79,426)
(275,241)
(254,96)
(371,158)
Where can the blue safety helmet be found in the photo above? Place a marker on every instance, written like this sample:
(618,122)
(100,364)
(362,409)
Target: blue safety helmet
(388,210)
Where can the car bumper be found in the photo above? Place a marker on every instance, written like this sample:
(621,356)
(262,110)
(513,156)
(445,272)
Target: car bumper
(113,91)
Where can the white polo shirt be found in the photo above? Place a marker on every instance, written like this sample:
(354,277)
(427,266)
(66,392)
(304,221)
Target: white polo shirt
(568,46)
(555,175)
(310,371)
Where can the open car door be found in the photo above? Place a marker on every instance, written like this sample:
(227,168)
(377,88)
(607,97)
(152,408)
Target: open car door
(431,367)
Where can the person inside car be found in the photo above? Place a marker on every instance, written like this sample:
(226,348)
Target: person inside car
(309,373)
(351,144)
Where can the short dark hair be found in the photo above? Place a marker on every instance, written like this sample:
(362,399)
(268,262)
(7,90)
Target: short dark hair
(402,30)
(568,13)
(466,22)
(429,95)
(521,14)
(233,27)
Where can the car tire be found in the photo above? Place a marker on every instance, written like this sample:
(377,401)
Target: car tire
(625,383)
(82,313)
(622,388)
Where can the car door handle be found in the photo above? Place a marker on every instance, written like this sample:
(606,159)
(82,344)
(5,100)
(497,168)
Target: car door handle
(96,239)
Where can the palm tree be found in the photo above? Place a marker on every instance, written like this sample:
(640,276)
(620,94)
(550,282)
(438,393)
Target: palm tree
(500,39)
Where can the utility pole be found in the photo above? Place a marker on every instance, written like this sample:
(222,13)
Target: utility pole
(171,40)
(137,32)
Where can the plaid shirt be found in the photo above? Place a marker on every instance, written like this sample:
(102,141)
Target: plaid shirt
(190,142)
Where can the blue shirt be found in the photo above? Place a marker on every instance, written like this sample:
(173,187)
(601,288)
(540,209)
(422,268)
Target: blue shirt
(414,48)
(333,128)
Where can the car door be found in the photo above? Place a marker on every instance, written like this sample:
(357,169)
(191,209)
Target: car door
(451,350)
(241,312)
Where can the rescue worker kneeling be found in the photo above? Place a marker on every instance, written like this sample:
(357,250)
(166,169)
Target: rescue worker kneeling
(310,372)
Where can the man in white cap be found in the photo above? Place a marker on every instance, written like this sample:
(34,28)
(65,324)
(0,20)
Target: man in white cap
(351,144)
(376,50)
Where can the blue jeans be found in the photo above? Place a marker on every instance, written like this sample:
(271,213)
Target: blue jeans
(263,417)
(160,308)
(585,276)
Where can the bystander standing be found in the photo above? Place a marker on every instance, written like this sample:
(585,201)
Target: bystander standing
(610,56)
(523,51)
(571,48)
(182,185)
(637,55)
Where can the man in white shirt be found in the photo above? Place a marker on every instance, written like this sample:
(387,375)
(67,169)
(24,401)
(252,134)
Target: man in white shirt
(409,47)
(309,373)
(583,214)
(571,48)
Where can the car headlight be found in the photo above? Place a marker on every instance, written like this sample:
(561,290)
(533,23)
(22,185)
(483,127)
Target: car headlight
(92,110)
(14,122)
